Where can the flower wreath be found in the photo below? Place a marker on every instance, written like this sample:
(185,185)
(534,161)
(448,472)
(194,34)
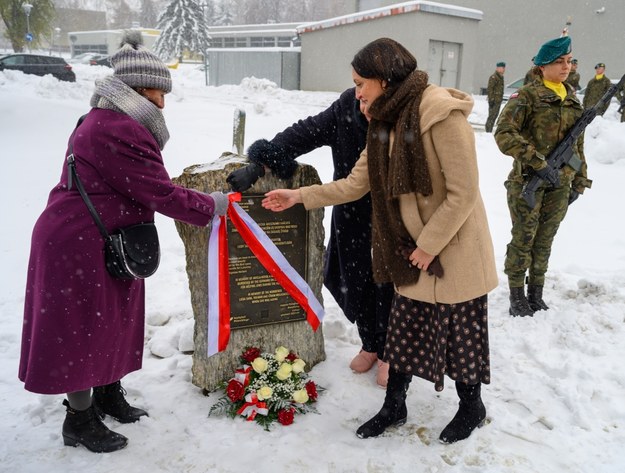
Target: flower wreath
(268,387)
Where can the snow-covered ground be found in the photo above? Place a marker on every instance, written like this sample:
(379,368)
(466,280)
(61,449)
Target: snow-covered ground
(557,398)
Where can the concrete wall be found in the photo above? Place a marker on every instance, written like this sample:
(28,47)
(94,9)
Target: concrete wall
(327,52)
(231,65)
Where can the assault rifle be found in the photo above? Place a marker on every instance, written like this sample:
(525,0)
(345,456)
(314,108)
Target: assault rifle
(563,152)
(620,109)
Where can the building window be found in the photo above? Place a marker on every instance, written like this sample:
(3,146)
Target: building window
(241,42)
(256,42)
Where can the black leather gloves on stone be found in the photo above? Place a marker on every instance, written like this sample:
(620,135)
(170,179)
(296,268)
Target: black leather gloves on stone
(550,175)
(573,196)
(221,202)
(244,178)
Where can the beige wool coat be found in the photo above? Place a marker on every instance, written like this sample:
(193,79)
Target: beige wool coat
(451,222)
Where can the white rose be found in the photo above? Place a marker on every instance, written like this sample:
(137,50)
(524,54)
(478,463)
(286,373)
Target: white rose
(281,354)
(259,365)
(298,366)
(284,371)
(264,393)
(300,396)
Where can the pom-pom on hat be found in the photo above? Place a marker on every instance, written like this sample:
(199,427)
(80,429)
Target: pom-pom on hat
(136,66)
(501,64)
(552,50)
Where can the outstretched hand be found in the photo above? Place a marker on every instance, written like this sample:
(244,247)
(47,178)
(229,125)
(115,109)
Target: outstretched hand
(281,199)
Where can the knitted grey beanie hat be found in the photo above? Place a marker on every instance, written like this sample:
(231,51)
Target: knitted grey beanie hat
(136,66)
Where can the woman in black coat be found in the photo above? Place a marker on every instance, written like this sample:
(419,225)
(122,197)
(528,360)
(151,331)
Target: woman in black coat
(347,271)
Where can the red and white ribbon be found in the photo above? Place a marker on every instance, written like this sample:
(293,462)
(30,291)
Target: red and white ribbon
(252,407)
(242,375)
(267,254)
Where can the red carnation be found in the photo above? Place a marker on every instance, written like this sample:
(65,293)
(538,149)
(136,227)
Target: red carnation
(251,354)
(311,390)
(235,390)
(286,416)
(292,357)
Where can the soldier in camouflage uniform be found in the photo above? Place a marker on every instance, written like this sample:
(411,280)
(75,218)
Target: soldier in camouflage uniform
(620,96)
(574,77)
(495,95)
(535,119)
(596,88)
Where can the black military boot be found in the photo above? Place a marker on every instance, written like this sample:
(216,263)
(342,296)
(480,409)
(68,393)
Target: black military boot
(471,414)
(109,399)
(86,428)
(393,412)
(535,298)
(519,307)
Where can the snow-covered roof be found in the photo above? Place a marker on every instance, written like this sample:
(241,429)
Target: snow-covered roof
(390,10)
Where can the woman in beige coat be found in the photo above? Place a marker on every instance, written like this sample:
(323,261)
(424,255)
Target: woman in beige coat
(430,232)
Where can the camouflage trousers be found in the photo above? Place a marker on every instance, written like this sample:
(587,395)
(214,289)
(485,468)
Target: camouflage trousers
(533,231)
(493,112)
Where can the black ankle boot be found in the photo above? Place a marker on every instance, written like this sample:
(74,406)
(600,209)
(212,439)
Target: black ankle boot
(393,412)
(519,307)
(535,298)
(109,399)
(471,414)
(86,428)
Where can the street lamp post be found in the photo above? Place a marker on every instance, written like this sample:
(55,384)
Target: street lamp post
(27,7)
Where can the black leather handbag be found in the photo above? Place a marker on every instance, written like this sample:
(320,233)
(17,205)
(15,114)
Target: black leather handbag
(131,252)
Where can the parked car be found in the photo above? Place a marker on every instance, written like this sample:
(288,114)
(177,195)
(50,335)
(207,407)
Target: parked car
(511,88)
(101,61)
(85,58)
(38,65)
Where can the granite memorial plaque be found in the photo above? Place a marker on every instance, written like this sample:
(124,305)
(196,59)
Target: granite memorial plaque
(256,298)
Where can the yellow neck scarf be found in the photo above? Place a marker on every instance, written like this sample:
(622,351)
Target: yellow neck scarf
(599,76)
(557,87)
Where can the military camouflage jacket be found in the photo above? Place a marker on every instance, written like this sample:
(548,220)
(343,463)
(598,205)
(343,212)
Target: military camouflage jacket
(530,126)
(573,79)
(495,87)
(595,90)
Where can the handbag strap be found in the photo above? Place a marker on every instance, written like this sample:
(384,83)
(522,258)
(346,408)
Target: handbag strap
(73,177)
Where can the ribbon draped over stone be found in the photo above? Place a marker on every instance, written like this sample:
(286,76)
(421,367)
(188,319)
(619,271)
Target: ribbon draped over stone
(267,254)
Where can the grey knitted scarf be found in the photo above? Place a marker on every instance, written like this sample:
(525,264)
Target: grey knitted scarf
(112,94)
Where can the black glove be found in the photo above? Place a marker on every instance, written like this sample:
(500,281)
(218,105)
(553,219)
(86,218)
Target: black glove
(573,196)
(244,178)
(550,175)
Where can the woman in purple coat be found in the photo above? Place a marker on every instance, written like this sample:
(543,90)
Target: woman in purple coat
(83,329)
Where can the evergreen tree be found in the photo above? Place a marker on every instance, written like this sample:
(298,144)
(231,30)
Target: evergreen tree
(148,15)
(123,16)
(40,19)
(224,15)
(183,28)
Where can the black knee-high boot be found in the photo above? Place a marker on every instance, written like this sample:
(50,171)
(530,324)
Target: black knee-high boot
(109,399)
(86,428)
(393,412)
(471,414)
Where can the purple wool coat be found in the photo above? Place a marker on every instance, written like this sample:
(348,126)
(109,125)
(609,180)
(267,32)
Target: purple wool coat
(82,328)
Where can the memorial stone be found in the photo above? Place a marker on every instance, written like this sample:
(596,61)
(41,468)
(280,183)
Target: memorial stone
(262,313)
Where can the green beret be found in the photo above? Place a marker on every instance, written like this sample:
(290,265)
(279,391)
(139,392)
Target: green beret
(552,50)
(600,65)
(574,61)
(501,64)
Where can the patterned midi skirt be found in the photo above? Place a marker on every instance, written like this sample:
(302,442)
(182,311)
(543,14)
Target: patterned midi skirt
(433,340)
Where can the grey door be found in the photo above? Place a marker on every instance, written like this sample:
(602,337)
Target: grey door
(443,63)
